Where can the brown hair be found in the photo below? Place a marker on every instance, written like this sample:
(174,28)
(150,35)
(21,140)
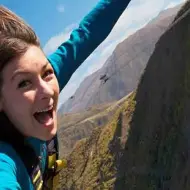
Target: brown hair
(15,38)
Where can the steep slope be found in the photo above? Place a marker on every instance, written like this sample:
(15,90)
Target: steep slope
(122,70)
(146,144)
(76,126)
(157,149)
(92,163)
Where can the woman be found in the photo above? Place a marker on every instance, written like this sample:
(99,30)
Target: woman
(30,85)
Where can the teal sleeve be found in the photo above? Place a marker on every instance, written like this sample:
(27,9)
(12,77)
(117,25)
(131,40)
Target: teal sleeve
(92,30)
(8,176)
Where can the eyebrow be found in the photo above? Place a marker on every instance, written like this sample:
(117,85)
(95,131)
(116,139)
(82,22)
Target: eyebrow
(21,71)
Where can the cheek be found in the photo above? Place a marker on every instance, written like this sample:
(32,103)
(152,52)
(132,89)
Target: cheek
(9,100)
(28,97)
(19,103)
(55,87)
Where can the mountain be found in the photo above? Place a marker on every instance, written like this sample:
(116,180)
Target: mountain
(80,125)
(92,163)
(145,144)
(121,72)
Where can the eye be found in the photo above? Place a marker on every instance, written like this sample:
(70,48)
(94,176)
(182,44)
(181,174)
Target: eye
(24,84)
(48,73)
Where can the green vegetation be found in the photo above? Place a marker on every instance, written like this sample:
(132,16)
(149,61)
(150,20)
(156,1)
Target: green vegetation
(92,163)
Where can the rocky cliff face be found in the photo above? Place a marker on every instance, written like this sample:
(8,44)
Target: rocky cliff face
(156,152)
(121,72)
(145,145)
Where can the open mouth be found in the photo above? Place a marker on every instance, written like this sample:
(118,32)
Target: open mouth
(44,116)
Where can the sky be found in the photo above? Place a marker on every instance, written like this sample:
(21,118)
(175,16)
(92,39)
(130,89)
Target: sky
(54,20)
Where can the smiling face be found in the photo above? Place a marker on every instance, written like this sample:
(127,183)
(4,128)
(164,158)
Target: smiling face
(29,94)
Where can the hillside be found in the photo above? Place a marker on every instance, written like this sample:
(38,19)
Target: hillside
(145,145)
(76,126)
(121,72)
(91,165)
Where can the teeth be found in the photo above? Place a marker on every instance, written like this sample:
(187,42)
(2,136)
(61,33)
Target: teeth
(44,110)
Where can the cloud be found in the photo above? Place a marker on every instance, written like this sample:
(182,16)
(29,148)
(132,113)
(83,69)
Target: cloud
(137,15)
(173,4)
(56,40)
(60,8)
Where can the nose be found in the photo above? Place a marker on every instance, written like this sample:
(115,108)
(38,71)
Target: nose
(45,90)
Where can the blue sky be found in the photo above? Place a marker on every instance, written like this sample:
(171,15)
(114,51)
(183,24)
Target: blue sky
(48,19)
(53,21)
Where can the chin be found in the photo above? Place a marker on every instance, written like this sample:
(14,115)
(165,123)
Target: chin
(47,137)
(51,135)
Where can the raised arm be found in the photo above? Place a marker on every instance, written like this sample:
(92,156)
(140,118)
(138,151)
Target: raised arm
(92,30)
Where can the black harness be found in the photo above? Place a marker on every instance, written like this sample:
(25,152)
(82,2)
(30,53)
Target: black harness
(49,179)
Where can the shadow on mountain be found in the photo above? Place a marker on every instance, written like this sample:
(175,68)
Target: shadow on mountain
(156,153)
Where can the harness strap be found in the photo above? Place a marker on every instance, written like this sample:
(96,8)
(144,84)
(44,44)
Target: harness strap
(50,178)
(53,165)
(37,178)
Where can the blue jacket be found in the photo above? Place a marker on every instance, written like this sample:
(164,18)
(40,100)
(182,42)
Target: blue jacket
(93,29)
